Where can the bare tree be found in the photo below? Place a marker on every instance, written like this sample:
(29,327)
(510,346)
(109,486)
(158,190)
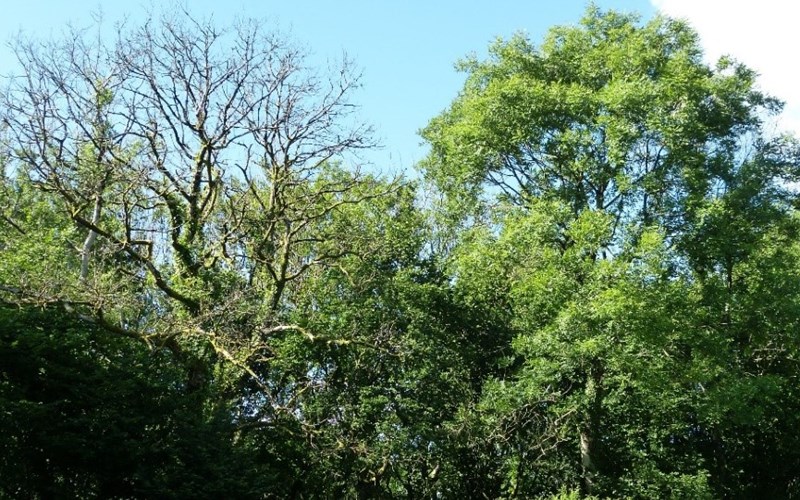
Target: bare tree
(199,167)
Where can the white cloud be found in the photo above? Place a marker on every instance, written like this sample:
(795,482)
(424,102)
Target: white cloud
(764,35)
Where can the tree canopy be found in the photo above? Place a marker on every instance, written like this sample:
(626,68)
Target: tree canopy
(592,289)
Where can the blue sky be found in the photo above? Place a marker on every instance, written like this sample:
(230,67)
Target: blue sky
(406,48)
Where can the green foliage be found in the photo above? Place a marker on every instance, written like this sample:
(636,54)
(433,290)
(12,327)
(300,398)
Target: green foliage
(604,304)
(88,414)
(619,193)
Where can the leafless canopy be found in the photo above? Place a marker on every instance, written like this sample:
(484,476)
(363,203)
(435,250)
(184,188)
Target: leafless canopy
(198,165)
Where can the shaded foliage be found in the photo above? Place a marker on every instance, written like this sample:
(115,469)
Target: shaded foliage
(86,413)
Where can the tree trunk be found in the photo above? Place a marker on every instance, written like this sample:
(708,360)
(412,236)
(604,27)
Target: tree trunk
(589,430)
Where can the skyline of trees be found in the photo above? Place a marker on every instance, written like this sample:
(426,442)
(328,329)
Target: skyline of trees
(591,290)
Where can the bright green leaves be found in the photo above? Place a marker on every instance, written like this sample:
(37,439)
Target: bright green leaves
(620,198)
(607,116)
(36,241)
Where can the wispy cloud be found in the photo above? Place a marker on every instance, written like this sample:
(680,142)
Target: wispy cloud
(763,34)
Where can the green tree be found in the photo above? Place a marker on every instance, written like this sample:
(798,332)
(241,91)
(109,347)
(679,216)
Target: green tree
(385,375)
(617,190)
